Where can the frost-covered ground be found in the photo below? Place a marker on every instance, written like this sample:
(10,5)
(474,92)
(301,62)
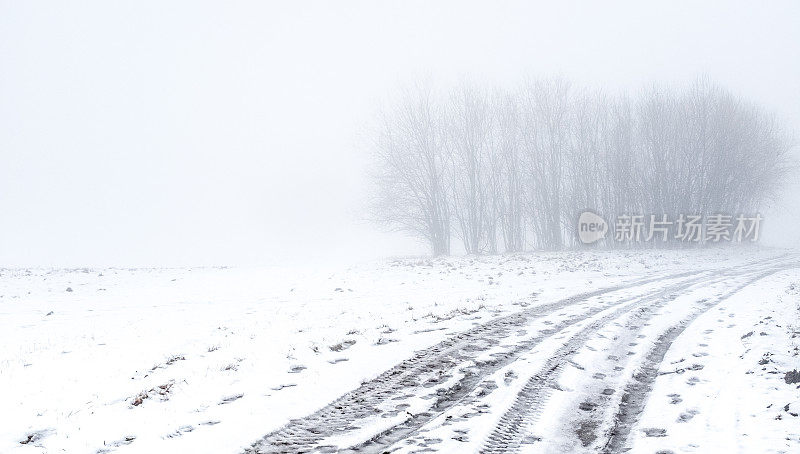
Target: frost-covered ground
(212,360)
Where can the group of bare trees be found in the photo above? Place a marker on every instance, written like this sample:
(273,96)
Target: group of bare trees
(511,169)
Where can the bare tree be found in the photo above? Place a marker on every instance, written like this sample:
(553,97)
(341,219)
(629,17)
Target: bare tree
(510,192)
(520,165)
(545,129)
(410,176)
(471,179)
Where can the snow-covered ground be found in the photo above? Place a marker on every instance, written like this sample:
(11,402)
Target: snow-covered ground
(213,359)
(723,385)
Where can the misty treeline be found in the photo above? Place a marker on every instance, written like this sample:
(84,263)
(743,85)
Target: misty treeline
(511,170)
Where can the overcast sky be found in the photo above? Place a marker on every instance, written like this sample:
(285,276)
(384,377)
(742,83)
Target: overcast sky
(198,133)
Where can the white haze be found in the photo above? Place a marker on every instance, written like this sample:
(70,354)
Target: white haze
(201,133)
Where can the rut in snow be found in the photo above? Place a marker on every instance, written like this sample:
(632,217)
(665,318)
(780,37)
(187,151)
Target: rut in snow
(439,364)
(517,424)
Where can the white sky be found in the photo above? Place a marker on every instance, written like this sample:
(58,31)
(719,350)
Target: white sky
(191,133)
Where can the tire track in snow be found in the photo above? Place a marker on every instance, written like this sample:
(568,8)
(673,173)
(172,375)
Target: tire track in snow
(343,415)
(638,390)
(384,440)
(512,431)
(305,434)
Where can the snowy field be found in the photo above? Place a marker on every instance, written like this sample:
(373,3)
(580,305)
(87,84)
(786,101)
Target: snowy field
(658,351)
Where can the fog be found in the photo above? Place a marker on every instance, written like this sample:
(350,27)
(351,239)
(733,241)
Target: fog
(201,133)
